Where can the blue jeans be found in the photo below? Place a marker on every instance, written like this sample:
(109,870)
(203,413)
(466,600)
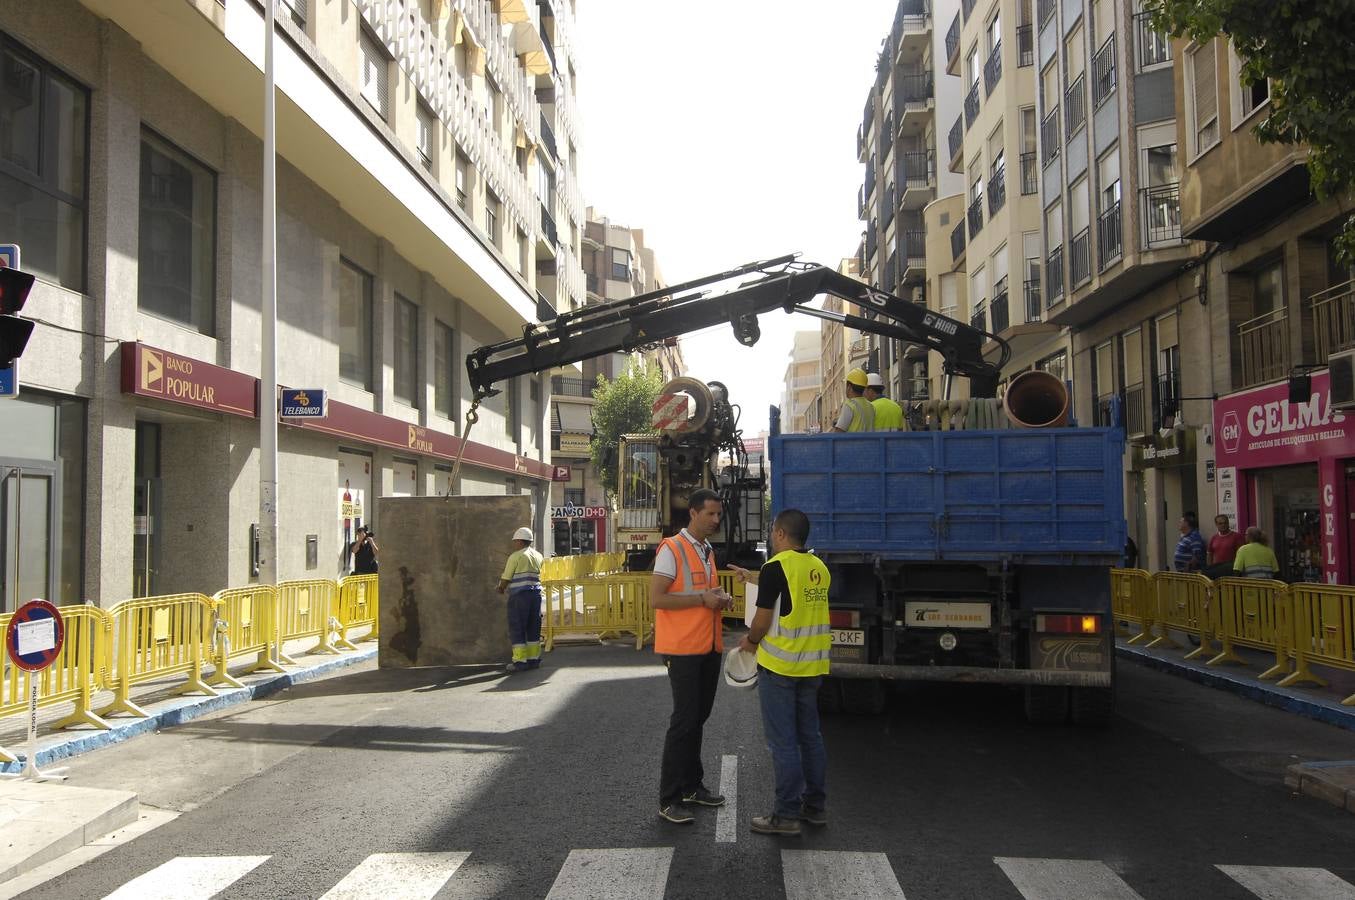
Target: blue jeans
(790,720)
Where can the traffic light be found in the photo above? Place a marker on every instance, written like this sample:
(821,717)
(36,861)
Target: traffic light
(14,331)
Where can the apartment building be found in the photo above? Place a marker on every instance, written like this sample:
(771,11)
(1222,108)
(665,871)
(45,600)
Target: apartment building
(803,409)
(426,153)
(835,343)
(897,142)
(617,264)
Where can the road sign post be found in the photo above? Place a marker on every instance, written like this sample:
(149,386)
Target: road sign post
(33,640)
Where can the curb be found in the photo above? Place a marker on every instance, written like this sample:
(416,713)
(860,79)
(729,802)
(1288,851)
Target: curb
(1287,699)
(1332,782)
(179,711)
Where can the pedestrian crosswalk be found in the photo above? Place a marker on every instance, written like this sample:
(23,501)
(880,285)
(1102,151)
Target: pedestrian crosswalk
(641,873)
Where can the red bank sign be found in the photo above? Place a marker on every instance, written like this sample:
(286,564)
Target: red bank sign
(1261,428)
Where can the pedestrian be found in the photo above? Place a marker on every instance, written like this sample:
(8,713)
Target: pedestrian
(888,414)
(857,414)
(364,550)
(1189,556)
(1223,547)
(522,581)
(685,594)
(1255,559)
(792,638)
(1131,553)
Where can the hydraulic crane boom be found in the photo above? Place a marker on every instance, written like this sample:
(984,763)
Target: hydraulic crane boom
(782,283)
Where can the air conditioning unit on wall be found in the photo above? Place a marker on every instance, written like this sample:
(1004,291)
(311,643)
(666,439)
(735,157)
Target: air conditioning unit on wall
(1341,371)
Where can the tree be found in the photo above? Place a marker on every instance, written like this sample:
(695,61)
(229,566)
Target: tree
(1304,49)
(623,406)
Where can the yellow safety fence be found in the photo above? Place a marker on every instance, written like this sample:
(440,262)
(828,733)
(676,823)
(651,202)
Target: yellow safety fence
(572,568)
(1301,624)
(178,636)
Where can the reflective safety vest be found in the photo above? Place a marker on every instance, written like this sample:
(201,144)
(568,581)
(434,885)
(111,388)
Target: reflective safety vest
(525,566)
(888,414)
(863,414)
(691,630)
(798,645)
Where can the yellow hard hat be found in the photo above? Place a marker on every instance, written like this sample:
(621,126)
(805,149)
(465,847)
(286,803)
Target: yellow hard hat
(857,377)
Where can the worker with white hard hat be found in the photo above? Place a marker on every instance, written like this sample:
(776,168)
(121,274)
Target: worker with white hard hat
(857,414)
(521,580)
(888,414)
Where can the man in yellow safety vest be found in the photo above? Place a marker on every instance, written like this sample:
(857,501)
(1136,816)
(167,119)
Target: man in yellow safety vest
(888,414)
(792,637)
(857,414)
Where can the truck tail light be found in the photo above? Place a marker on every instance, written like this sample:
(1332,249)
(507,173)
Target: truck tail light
(1067,623)
(844,618)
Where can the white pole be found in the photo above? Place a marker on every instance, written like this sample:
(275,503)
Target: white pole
(268,389)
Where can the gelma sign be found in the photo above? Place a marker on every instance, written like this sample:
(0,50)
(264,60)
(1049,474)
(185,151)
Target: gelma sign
(1260,428)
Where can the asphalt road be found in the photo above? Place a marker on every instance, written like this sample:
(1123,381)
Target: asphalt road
(501,784)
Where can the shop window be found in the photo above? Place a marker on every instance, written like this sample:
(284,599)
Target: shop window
(406,352)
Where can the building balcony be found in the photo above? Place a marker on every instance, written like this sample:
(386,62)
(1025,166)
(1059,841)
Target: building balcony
(1044,10)
(861,145)
(915,389)
(1053,277)
(1161,210)
(548,233)
(1154,47)
(957,242)
(1049,135)
(1109,245)
(1168,392)
(997,190)
(953,47)
(1103,414)
(955,141)
(545,310)
(1025,45)
(914,101)
(967,7)
(975,217)
(919,178)
(548,138)
(998,308)
(1333,313)
(1135,418)
(1034,304)
(1075,105)
(912,30)
(978,319)
(913,253)
(1030,182)
(992,70)
(565,386)
(1103,72)
(1080,258)
(971,105)
(1264,345)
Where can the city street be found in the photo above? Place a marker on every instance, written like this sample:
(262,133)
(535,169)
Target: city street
(543,784)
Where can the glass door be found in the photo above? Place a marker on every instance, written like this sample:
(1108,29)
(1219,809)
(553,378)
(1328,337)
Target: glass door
(146,501)
(28,541)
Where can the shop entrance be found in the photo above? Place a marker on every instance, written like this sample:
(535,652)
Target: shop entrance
(147,501)
(1288,508)
(28,537)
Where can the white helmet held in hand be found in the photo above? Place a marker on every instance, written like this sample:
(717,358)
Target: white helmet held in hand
(523,534)
(740,669)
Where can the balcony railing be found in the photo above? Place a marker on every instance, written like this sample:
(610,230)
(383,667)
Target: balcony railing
(916,389)
(1025,45)
(545,310)
(570,387)
(975,217)
(861,203)
(1333,319)
(1103,72)
(1264,341)
(912,15)
(1135,422)
(548,226)
(1075,105)
(997,190)
(860,141)
(888,130)
(1161,207)
(1168,389)
(1080,258)
(870,178)
(914,90)
(1053,276)
(956,137)
(971,105)
(915,244)
(992,70)
(953,40)
(968,7)
(957,242)
(919,168)
(1102,416)
(1029,181)
(548,138)
(1034,308)
(591,283)
(871,241)
(1154,46)
(889,205)
(999,310)
(1049,135)
(978,318)
(1108,242)
(1044,9)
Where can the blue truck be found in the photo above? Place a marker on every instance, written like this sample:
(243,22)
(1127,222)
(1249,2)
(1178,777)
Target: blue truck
(965,556)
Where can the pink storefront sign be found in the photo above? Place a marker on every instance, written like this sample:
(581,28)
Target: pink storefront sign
(1260,428)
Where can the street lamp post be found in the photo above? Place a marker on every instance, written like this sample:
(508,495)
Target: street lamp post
(268,388)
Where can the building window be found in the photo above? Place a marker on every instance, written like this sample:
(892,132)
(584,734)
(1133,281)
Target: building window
(493,213)
(1056,365)
(620,264)
(296,9)
(1103,382)
(44,125)
(176,270)
(406,352)
(427,136)
(374,74)
(1250,96)
(495,105)
(523,260)
(1203,96)
(444,376)
(463,181)
(355,325)
(1155,47)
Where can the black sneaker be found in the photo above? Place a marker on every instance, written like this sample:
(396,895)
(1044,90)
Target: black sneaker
(677,814)
(702,796)
(774,824)
(813,815)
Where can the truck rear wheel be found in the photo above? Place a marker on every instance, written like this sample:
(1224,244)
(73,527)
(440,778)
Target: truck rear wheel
(830,696)
(1093,706)
(863,697)
(1046,705)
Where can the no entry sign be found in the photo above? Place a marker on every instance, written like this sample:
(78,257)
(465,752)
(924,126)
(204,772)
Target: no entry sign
(35,635)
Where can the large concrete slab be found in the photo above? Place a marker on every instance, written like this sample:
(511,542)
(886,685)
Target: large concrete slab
(43,821)
(441,558)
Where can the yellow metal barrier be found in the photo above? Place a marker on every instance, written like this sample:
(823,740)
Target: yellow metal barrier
(357,606)
(1254,612)
(736,589)
(1183,603)
(609,604)
(79,671)
(306,609)
(157,637)
(1323,631)
(572,568)
(1133,599)
(246,622)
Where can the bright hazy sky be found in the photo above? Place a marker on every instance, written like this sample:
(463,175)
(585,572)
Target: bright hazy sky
(727,131)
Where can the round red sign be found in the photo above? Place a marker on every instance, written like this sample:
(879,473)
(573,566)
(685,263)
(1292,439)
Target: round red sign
(35,635)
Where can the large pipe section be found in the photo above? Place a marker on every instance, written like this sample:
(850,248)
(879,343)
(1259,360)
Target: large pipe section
(1036,399)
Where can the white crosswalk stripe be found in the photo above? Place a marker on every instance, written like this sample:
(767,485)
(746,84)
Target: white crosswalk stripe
(397,876)
(840,874)
(631,874)
(1056,879)
(1285,883)
(188,878)
(726,820)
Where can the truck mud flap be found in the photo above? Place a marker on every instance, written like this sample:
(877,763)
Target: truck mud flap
(971,674)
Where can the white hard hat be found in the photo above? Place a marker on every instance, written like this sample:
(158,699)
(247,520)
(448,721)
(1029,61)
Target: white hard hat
(874,380)
(740,669)
(523,534)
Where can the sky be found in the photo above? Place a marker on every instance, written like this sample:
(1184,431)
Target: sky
(727,131)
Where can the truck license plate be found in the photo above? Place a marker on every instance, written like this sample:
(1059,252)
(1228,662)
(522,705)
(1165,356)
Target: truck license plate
(924,614)
(849,637)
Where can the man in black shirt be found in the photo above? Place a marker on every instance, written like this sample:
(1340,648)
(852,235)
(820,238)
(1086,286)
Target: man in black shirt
(364,551)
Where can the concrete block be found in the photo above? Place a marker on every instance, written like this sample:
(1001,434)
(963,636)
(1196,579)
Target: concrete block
(441,558)
(1324,790)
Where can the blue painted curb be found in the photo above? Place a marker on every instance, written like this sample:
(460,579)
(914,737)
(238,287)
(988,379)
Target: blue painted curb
(181,711)
(1329,711)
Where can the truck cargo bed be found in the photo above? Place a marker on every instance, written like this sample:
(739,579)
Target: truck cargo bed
(1040,496)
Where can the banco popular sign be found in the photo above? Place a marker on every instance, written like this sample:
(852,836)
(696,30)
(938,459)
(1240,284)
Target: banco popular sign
(1261,428)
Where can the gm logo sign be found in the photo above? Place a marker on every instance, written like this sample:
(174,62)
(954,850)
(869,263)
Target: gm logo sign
(1231,432)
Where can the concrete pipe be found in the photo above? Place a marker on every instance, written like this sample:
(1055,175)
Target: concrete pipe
(1036,400)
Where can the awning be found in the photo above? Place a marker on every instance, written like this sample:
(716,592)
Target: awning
(576,418)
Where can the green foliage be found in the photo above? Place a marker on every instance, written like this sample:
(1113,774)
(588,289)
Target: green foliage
(623,406)
(1304,47)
